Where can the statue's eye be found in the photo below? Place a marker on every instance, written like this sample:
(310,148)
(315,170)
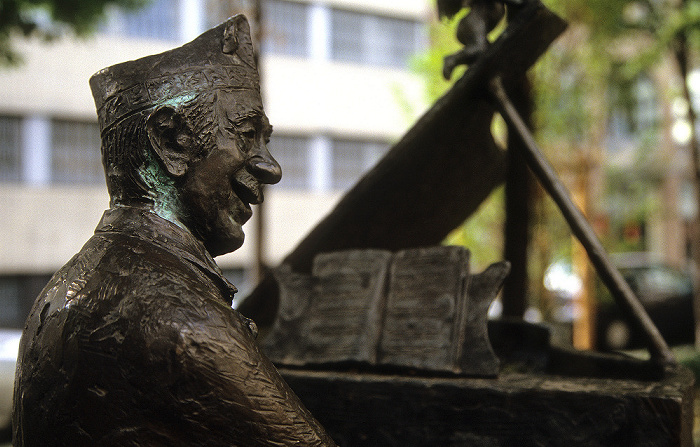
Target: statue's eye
(245,131)
(245,128)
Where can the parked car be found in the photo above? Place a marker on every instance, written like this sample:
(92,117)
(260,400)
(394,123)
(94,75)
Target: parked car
(666,292)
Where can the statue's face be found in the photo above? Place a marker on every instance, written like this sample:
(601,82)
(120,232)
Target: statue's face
(219,189)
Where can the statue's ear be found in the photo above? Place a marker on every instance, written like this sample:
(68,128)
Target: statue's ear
(171,139)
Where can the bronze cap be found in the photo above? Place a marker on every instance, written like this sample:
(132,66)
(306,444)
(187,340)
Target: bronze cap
(220,58)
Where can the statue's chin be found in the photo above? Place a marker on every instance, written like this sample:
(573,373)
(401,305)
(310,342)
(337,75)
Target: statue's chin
(225,243)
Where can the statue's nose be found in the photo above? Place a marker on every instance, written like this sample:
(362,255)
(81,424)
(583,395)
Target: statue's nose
(264,167)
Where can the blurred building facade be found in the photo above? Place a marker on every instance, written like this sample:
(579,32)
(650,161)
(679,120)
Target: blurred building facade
(651,191)
(336,82)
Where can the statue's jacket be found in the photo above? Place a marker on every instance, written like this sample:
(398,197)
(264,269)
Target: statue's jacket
(134,343)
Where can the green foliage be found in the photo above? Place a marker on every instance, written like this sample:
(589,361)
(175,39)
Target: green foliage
(442,42)
(618,44)
(631,194)
(482,233)
(654,24)
(568,84)
(591,72)
(429,64)
(690,358)
(48,19)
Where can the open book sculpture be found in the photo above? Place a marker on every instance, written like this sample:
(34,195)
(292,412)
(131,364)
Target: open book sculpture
(420,309)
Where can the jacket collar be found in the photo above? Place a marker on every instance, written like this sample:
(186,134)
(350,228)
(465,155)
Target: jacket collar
(146,225)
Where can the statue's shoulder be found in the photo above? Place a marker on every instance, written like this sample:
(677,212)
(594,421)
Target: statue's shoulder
(124,278)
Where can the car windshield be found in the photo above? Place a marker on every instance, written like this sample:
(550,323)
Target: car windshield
(658,282)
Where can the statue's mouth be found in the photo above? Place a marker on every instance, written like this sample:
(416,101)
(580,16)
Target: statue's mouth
(247,188)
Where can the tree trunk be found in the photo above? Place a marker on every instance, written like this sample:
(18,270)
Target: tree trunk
(518,202)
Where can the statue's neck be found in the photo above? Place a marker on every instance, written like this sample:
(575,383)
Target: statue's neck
(163,202)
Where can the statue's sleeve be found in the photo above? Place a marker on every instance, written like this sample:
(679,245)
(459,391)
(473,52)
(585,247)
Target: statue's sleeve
(238,386)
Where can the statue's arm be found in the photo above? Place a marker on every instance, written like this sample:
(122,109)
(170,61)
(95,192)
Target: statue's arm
(223,356)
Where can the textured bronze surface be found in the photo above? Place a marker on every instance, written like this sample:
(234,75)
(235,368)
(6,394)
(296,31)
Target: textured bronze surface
(416,311)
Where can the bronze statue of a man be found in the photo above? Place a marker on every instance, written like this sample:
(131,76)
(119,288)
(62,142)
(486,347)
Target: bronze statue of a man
(134,341)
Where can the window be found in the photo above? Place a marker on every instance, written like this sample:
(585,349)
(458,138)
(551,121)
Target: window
(371,39)
(217,11)
(75,156)
(634,116)
(17,295)
(347,42)
(285,29)
(10,148)
(351,159)
(292,153)
(659,283)
(159,19)
(351,36)
(10,306)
